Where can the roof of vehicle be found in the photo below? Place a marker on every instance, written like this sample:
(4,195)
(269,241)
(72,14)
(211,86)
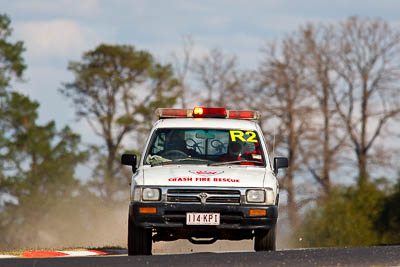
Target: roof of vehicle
(206,123)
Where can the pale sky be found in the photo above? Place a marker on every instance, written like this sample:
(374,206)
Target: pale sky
(57,31)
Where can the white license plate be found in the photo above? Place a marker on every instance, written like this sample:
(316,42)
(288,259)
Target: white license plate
(200,218)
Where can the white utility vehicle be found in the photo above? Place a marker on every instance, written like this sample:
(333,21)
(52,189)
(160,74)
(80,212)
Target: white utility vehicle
(205,174)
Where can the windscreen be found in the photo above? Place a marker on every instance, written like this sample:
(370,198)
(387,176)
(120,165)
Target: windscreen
(204,146)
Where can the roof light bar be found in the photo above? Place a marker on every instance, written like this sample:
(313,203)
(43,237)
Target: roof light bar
(202,112)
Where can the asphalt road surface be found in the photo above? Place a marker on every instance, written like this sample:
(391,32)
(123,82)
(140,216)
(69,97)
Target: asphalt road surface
(365,256)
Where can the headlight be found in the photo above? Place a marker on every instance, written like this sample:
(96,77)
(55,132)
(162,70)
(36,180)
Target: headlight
(151,194)
(257,196)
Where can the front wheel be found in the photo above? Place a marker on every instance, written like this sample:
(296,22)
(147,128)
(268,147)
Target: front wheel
(265,240)
(139,240)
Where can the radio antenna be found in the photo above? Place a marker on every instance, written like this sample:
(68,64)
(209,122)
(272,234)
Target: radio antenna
(273,143)
(273,146)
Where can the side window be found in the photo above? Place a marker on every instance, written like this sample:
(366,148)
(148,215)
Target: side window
(267,155)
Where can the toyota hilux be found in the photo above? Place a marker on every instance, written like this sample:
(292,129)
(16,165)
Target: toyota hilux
(205,174)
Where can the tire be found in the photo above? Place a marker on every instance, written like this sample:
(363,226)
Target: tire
(265,240)
(139,240)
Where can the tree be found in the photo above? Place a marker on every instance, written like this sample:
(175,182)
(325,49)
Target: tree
(326,139)
(11,66)
(11,61)
(163,92)
(368,97)
(283,94)
(219,76)
(38,164)
(182,70)
(114,90)
(330,88)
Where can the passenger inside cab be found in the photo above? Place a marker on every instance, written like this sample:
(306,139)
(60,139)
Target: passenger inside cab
(233,153)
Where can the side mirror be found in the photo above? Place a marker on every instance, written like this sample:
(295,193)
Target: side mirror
(280,162)
(130,160)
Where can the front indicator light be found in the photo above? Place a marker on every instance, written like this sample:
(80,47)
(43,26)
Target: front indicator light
(137,194)
(255,196)
(258,212)
(270,197)
(148,210)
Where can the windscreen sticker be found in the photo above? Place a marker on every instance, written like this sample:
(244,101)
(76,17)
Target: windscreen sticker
(203,179)
(239,135)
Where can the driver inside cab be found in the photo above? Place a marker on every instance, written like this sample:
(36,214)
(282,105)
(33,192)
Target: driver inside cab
(174,142)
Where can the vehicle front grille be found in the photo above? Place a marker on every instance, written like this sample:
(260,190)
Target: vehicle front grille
(212,196)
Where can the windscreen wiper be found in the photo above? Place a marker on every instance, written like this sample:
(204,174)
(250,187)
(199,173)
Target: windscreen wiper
(160,163)
(179,160)
(234,162)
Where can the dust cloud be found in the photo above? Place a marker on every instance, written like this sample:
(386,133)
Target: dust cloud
(184,246)
(94,225)
(81,224)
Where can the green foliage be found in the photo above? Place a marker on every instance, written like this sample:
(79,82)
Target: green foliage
(11,65)
(114,83)
(347,218)
(388,223)
(11,61)
(162,94)
(38,164)
(106,76)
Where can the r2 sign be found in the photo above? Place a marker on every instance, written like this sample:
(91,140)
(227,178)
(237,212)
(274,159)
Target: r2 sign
(236,134)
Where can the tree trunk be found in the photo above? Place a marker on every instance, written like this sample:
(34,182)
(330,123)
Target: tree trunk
(362,156)
(327,153)
(362,165)
(292,207)
(109,172)
(291,202)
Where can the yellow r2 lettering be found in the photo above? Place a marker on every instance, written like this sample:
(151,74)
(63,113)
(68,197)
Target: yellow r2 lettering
(238,135)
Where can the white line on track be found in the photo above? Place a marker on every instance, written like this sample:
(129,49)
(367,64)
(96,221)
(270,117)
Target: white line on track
(79,253)
(7,256)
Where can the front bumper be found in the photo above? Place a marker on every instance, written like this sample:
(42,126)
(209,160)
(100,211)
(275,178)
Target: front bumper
(173,216)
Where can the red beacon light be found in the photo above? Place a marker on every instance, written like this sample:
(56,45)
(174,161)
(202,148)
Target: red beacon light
(173,113)
(243,114)
(200,112)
